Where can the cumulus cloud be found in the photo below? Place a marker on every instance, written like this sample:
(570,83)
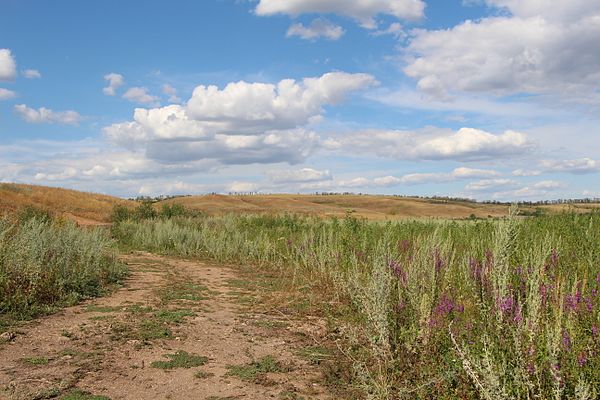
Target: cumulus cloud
(537,190)
(318,28)
(171,92)
(491,184)
(466,144)
(139,95)
(254,107)
(45,115)
(363,11)
(8,65)
(242,123)
(526,172)
(31,74)
(114,81)
(577,166)
(299,175)
(456,174)
(6,94)
(541,47)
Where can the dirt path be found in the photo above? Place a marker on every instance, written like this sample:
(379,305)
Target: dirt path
(116,346)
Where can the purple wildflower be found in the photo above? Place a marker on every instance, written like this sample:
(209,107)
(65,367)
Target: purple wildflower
(582,359)
(566,340)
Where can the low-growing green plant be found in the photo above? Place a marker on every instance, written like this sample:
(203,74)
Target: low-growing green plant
(254,370)
(180,359)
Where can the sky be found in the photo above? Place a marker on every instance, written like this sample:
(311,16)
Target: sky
(482,99)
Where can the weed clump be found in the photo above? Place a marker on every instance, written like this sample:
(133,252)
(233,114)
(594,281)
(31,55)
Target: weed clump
(180,359)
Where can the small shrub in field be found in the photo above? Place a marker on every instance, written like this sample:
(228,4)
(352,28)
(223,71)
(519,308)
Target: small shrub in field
(45,264)
(120,213)
(145,210)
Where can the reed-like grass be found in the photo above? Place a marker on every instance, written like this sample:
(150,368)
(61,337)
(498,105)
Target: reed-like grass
(45,264)
(490,309)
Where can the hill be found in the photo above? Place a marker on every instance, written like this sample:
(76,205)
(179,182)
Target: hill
(364,206)
(85,208)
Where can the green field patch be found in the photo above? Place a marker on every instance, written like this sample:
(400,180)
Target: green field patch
(35,360)
(255,371)
(180,359)
(81,395)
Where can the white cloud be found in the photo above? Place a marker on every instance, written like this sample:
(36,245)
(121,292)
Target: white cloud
(577,166)
(319,28)
(31,74)
(139,95)
(8,65)
(115,81)
(466,144)
(544,47)
(491,184)
(255,107)
(6,94)
(364,11)
(395,29)
(456,174)
(243,123)
(171,92)
(46,116)
(436,177)
(299,175)
(536,191)
(526,172)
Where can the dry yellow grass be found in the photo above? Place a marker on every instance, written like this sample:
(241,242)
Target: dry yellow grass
(364,206)
(85,208)
(90,208)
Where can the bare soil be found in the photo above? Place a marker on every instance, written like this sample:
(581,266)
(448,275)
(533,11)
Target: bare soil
(109,346)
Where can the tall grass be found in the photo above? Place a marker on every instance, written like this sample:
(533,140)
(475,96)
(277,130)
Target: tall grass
(45,263)
(490,309)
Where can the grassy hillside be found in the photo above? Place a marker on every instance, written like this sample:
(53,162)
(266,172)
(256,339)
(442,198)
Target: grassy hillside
(364,206)
(85,208)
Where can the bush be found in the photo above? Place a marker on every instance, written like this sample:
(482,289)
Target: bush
(45,264)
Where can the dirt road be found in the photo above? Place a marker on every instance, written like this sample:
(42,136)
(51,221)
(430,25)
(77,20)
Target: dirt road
(177,329)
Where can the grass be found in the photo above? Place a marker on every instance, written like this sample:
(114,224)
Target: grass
(183,291)
(315,354)
(81,395)
(481,308)
(49,263)
(35,360)
(203,375)
(255,370)
(180,359)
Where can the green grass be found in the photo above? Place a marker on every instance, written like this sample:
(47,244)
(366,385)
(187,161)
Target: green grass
(81,395)
(35,360)
(180,359)
(253,371)
(173,316)
(46,264)
(183,291)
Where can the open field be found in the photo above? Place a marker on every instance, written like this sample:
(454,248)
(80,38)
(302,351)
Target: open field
(291,305)
(363,206)
(90,208)
(84,208)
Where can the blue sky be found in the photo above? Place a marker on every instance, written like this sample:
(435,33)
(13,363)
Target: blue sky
(487,99)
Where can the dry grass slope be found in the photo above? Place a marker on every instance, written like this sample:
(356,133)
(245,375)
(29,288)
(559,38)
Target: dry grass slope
(85,208)
(363,206)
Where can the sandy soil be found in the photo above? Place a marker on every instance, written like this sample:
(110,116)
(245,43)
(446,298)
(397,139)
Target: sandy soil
(107,346)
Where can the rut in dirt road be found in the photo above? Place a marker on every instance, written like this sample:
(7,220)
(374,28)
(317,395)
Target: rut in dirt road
(177,330)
